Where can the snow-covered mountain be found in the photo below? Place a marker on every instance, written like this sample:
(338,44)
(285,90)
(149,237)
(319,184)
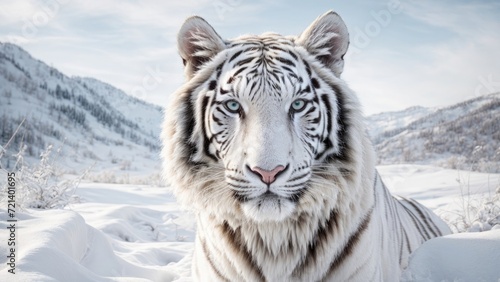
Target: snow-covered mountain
(94,123)
(98,125)
(465,135)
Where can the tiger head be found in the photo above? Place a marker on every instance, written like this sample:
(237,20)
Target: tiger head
(261,119)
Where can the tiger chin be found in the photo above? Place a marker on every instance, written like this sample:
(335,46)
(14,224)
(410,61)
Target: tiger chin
(266,144)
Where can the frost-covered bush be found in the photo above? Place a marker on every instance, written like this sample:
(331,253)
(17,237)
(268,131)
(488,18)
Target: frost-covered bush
(475,213)
(40,185)
(154,179)
(487,216)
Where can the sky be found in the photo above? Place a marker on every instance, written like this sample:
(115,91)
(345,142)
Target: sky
(403,53)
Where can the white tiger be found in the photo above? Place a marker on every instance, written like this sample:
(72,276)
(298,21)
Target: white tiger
(267,144)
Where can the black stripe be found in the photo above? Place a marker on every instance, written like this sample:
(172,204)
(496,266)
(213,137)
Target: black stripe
(235,56)
(225,143)
(276,48)
(274,75)
(212,85)
(431,222)
(298,177)
(237,179)
(239,186)
(189,125)
(293,55)
(408,246)
(401,231)
(285,61)
(294,185)
(237,243)
(186,128)
(315,83)
(218,70)
(244,61)
(328,106)
(295,197)
(254,83)
(206,141)
(306,90)
(290,71)
(210,261)
(417,223)
(343,122)
(308,68)
(216,119)
(239,70)
(349,246)
(311,110)
(239,197)
(368,259)
(423,217)
(311,136)
(395,219)
(327,141)
(320,238)
(391,201)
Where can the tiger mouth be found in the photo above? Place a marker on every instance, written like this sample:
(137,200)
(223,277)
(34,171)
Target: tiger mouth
(270,196)
(269,206)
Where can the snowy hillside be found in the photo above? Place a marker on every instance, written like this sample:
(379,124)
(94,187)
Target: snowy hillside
(94,123)
(98,125)
(390,121)
(463,136)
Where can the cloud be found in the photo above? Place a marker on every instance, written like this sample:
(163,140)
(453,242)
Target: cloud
(456,51)
(13,12)
(115,41)
(462,18)
(432,53)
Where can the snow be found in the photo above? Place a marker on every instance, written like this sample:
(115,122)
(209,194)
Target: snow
(462,136)
(121,232)
(457,257)
(27,92)
(139,233)
(117,233)
(387,121)
(435,187)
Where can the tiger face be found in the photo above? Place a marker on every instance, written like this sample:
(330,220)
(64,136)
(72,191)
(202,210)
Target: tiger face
(267,109)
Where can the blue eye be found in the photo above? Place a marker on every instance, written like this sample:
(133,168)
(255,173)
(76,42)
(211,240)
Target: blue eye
(299,105)
(233,106)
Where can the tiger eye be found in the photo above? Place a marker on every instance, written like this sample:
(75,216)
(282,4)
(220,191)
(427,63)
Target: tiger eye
(299,105)
(233,106)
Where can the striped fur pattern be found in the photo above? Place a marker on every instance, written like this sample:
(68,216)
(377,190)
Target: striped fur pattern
(267,145)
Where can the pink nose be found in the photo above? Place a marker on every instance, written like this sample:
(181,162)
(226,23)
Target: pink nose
(268,176)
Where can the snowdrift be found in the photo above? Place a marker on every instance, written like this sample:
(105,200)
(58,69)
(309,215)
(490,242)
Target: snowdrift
(139,233)
(58,245)
(457,257)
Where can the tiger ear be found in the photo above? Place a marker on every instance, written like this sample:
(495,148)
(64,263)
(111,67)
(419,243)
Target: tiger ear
(327,39)
(197,43)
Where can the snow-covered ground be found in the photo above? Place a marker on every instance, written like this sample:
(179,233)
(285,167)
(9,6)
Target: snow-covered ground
(139,233)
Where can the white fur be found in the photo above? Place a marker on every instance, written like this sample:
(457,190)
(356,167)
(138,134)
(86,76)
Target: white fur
(344,226)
